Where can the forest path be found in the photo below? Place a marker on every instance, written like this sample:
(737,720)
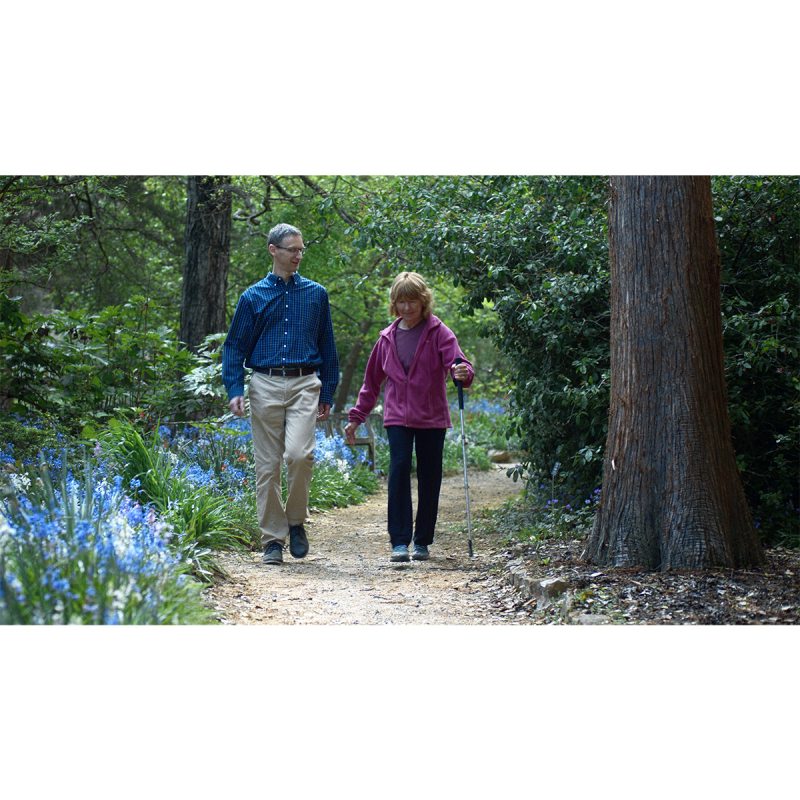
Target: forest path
(347,577)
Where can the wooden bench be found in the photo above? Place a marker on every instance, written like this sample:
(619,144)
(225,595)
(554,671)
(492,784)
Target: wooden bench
(336,423)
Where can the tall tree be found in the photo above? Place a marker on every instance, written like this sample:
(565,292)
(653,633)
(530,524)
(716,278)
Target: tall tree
(672,494)
(205,272)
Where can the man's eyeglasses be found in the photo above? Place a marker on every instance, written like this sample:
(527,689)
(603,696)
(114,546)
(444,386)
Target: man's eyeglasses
(295,251)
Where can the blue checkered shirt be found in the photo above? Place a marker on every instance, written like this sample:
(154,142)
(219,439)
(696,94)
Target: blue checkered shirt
(280,324)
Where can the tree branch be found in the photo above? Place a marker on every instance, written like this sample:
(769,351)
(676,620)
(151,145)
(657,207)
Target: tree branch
(317,189)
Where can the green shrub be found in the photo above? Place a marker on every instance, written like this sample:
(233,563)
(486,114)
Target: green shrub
(758,222)
(332,487)
(85,368)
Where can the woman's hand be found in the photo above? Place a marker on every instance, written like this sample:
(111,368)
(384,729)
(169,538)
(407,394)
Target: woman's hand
(350,432)
(460,371)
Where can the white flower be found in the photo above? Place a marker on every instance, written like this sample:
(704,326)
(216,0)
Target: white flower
(20,482)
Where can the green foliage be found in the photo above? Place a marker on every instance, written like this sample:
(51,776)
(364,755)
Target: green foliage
(536,249)
(453,457)
(332,487)
(35,239)
(85,368)
(758,222)
(205,517)
(538,515)
(202,484)
(205,392)
(93,241)
(28,437)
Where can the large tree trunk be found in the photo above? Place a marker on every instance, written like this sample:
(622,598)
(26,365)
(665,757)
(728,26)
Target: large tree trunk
(672,496)
(205,272)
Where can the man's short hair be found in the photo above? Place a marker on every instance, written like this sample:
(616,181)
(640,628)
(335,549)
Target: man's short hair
(280,232)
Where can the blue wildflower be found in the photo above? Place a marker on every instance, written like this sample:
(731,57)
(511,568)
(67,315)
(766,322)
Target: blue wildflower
(7,454)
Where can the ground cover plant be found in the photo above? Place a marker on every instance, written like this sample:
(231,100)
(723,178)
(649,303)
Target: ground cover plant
(75,547)
(125,531)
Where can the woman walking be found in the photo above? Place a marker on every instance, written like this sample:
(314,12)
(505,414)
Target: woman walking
(413,357)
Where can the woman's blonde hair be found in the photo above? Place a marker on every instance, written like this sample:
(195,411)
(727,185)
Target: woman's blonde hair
(411,286)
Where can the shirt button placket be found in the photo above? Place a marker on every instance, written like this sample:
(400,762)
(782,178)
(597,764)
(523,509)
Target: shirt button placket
(286,326)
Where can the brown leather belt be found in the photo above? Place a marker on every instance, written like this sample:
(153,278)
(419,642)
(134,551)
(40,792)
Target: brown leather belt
(285,372)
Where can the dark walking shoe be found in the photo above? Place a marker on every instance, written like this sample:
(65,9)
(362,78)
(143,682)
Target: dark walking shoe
(420,553)
(399,553)
(273,553)
(298,541)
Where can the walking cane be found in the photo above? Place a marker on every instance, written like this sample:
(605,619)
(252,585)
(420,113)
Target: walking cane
(464,451)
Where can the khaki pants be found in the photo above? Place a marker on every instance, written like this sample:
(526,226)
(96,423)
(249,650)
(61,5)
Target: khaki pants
(283,414)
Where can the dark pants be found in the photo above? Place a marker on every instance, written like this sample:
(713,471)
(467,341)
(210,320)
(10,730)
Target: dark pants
(429,445)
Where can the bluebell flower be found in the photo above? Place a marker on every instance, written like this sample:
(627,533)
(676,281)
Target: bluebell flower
(86,542)
(198,476)
(7,454)
(239,424)
(83,533)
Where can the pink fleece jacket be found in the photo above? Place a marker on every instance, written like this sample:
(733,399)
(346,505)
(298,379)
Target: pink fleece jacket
(419,399)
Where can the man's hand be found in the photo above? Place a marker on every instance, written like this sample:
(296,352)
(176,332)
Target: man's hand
(236,405)
(324,412)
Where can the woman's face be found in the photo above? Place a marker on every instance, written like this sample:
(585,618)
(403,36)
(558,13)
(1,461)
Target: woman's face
(409,310)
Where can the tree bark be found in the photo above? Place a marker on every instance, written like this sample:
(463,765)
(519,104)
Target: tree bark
(672,497)
(205,273)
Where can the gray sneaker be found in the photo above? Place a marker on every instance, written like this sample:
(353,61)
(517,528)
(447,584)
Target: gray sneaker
(399,553)
(420,553)
(273,553)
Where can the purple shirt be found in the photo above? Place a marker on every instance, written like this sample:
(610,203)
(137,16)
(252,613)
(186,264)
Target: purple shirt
(407,341)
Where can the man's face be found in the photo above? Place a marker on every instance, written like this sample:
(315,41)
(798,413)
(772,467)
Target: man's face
(288,254)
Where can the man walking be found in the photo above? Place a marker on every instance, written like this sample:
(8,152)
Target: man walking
(282,330)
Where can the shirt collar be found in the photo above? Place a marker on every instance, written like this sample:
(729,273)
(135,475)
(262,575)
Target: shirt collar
(296,279)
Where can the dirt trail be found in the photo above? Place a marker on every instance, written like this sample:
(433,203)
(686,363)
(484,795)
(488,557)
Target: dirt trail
(347,577)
